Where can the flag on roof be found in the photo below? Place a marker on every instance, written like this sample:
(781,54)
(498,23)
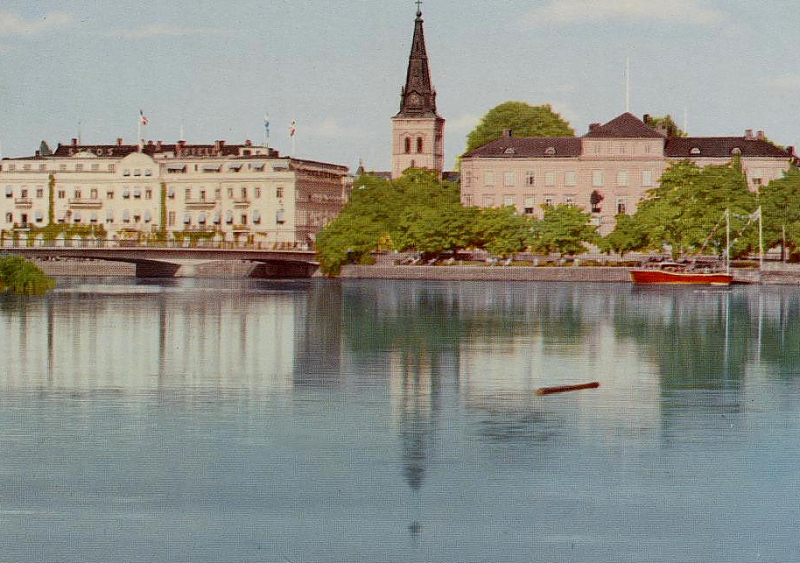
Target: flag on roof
(293,128)
(142,119)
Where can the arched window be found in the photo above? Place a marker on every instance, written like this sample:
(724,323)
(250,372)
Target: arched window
(419,144)
(408,145)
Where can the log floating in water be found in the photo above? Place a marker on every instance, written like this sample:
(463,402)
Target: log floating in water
(565,388)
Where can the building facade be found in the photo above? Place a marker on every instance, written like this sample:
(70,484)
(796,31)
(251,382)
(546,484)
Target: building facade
(244,194)
(417,130)
(606,172)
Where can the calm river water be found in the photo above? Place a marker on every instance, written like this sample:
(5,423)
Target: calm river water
(373,421)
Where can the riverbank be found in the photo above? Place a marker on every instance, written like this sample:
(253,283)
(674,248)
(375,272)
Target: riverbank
(773,273)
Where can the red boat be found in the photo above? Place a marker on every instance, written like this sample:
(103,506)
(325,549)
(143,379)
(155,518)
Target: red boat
(678,273)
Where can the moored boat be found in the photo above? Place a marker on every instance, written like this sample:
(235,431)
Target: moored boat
(679,273)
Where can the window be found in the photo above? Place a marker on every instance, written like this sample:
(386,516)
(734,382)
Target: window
(110,194)
(508,200)
(39,192)
(111,168)
(622,178)
(488,201)
(467,200)
(126,172)
(529,204)
(244,193)
(62,194)
(244,219)
(9,217)
(109,216)
(77,194)
(93,193)
(23,193)
(569,178)
(148,172)
(529,178)
(202,195)
(419,144)
(42,167)
(257,192)
(508,179)
(9,191)
(488,178)
(95,167)
(148,194)
(407,144)
(694,151)
(79,168)
(61,167)
(187,193)
(597,178)
(137,172)
(622,205)
(550,178)
(549,200)
(279,191)
(217,193)
(569,200)
(647,178)
(171,218)
(230,193)
(550,151)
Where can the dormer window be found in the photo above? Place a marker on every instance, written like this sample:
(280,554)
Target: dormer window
(736,151)
(510,150)
(694,150)
(550,151)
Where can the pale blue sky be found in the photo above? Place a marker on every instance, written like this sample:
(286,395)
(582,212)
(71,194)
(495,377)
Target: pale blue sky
(337,68)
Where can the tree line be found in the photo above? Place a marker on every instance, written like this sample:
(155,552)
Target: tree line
(683,215)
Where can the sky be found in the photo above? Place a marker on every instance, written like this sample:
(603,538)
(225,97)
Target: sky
(336,67)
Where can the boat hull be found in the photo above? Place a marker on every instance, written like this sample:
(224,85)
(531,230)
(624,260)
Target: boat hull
(654,276)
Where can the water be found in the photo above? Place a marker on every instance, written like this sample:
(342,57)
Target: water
(317,421)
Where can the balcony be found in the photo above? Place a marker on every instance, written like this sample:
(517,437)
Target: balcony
(241,202)
(200,203)
(23,202)
(85,203)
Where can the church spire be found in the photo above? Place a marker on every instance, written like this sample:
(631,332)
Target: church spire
(418,98)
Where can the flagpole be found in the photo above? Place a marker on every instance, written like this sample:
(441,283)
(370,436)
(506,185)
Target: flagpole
(760,242)
(139,132)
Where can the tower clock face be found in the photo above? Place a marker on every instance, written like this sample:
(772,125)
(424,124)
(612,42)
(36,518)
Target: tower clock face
(414,99)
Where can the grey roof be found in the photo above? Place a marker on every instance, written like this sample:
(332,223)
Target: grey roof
(528,147)
(625,126)
(721,147)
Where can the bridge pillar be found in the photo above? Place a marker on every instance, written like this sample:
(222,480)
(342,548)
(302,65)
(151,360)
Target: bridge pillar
(154,269)
(284,270)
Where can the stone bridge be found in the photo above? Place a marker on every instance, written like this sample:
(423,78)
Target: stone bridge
(175,261)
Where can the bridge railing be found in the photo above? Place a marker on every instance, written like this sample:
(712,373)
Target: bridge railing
(123,243)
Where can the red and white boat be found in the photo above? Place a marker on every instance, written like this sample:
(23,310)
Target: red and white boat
(680,273)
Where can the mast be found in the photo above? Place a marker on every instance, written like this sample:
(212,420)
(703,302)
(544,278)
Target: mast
(727,241)
(760,241)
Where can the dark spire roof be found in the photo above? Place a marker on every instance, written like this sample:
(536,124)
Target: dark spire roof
(418,98)
(625,126)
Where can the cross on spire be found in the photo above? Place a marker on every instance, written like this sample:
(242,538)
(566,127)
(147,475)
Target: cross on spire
(419,8)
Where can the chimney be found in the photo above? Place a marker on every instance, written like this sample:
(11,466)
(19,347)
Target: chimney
(248,143)
(593,126)
(158,146)
(748,134)
(119,141)
(74,142)
(506,132)
(790,150)
(760,136)
(646,119)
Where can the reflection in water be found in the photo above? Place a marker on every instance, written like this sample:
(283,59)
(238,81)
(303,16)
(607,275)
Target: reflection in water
(321,420)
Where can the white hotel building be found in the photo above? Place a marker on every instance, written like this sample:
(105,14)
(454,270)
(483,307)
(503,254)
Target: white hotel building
(244,194)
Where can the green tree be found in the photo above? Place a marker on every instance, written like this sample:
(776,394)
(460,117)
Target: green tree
(17,275)
(627,236)
(666,124)
(686,212)
(780,208)
(564,229)
(380,213)
(523,119)
(501,231)
(435,230)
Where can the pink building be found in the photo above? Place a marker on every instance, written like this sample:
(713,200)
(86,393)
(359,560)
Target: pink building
(607,171)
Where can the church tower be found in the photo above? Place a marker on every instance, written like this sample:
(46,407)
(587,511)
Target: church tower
(417,131)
